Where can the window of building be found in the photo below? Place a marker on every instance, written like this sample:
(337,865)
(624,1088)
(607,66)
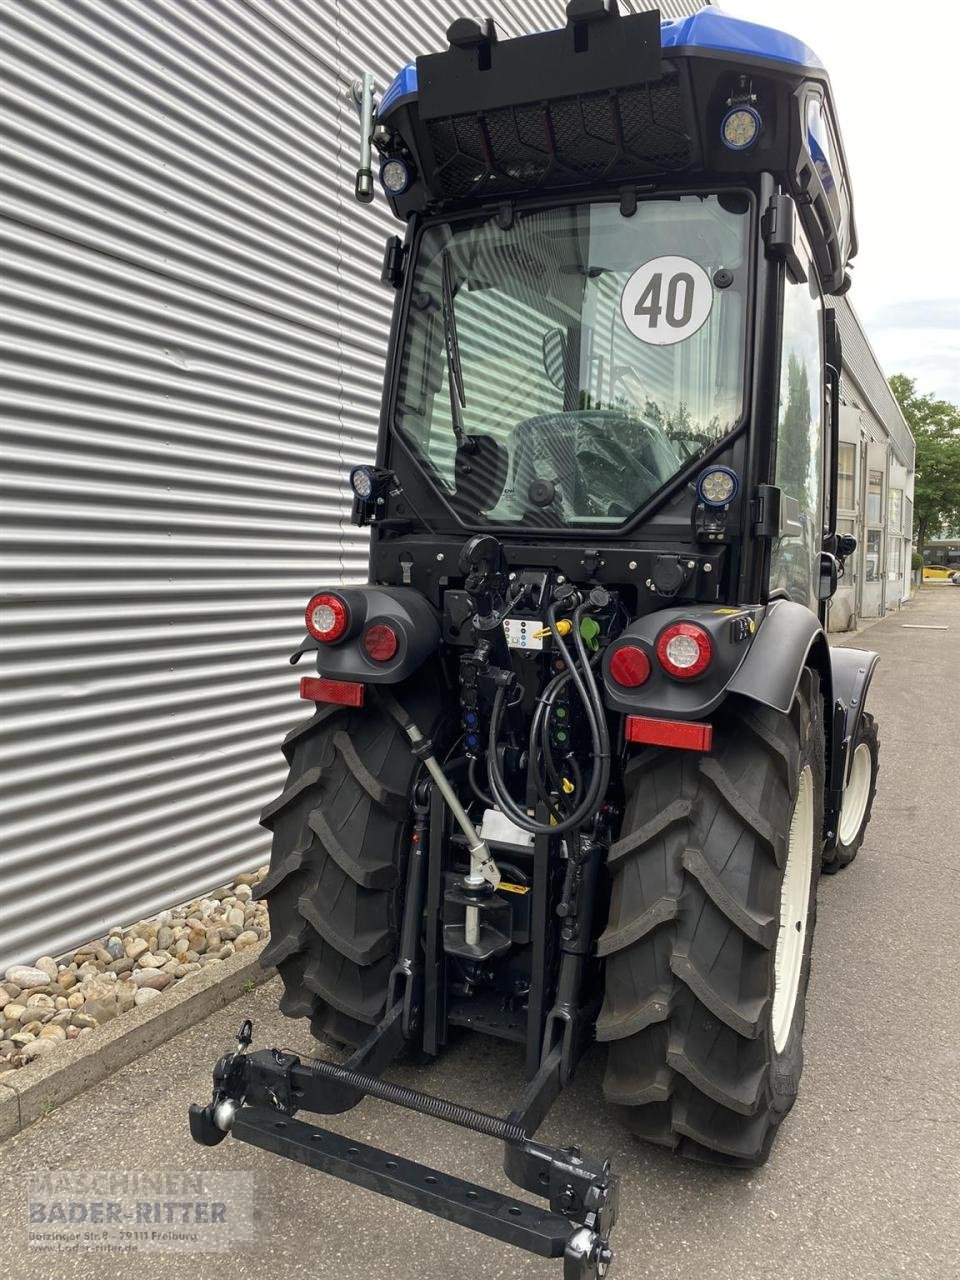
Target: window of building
(875,498)
(846,470)
(896,510)
(872,558)
(894,557)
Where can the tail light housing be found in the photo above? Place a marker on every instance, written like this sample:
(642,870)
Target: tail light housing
(630,666)
(327,617)
(684,650)
(380,642)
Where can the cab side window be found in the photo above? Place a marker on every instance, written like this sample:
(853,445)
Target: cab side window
(795,561)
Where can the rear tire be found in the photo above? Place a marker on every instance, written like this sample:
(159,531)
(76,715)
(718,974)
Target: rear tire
(857,799)
(705,1055)
(335,886)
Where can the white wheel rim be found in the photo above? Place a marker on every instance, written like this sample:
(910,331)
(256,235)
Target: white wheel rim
(794,901)
(856,794)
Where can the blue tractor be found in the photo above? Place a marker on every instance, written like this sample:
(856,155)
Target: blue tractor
(580,749)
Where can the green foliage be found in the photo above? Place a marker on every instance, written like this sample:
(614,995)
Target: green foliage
(916,560)
(936,429)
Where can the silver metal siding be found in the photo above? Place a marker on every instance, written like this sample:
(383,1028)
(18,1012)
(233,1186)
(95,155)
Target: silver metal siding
(194,336)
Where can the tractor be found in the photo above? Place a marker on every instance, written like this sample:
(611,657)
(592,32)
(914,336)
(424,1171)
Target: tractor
(580,750)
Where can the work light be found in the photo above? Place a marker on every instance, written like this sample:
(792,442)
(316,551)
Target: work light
(394,177)
(717,486)
(741,127)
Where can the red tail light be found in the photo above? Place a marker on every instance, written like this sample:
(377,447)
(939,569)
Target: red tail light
(343,692)
(327,617)
(380,642)
(669,733)
(684,650)
(630,666)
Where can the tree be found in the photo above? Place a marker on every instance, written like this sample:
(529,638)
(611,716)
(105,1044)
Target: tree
(796,441)
(936,429)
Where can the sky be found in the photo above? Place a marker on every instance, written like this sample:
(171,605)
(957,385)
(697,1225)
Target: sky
(896,85)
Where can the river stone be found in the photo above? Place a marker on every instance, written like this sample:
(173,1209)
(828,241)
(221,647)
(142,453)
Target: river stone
(164,937)
(66,979)
(20,1038)
(61,1002)
(149,961)
(181,946)
(52,1031)
(154,978)
(40,1001)
(126,995)
(38,1049)
(235,917)
(13,1011)
(73,1033)
(135,947)
(124,965)
(246,939)
(115,948)
(146,994)
(102,1010)
(5,998)
(49,967)
(84,1020)
(27,977)
(102,987)
(62,1018)
(75,999)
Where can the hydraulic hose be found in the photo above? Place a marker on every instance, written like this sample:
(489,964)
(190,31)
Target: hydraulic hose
(588,693)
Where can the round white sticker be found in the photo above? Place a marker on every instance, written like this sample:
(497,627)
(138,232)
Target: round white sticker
(666,300)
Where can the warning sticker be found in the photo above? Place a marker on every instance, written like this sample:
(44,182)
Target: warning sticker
(666,300)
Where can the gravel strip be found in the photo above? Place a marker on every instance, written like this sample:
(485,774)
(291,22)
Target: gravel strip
(46,1005)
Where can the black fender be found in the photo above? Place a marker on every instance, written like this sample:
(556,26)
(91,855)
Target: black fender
(789,638)
(852,671)
(408,612)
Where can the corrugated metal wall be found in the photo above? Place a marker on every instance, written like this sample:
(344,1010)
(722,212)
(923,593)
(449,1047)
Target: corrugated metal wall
(195,332)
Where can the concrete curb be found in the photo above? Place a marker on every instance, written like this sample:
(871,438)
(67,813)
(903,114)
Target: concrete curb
(35,1090)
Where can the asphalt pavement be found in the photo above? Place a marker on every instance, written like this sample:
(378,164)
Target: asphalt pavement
(864,1182)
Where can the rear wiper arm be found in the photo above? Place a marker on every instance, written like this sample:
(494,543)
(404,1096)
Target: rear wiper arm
(458,399)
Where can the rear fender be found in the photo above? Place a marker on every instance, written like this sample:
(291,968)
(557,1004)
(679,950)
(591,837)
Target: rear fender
(852,671)
(410,614)
(789,638)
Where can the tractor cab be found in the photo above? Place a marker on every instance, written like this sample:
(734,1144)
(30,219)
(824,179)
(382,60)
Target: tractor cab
(615,233)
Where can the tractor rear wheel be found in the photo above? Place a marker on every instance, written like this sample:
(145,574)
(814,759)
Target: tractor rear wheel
(707,946)
(857,798)
(335,886)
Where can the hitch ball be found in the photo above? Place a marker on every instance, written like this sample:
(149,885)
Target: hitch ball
(224,1114)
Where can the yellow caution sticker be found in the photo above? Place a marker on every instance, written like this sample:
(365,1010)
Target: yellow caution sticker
(513,888)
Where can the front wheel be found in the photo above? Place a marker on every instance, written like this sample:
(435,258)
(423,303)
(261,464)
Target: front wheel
(713,905)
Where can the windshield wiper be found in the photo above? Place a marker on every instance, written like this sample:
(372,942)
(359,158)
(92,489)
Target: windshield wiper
(458,399)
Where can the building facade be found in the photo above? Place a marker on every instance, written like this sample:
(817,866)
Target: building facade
(875,484)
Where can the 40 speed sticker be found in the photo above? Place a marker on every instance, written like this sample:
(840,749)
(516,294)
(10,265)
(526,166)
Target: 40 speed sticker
(666,300)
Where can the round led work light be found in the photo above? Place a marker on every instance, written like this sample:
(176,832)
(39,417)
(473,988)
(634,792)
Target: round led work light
(362,483)
(394,177)
(740,127)
(717,486)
